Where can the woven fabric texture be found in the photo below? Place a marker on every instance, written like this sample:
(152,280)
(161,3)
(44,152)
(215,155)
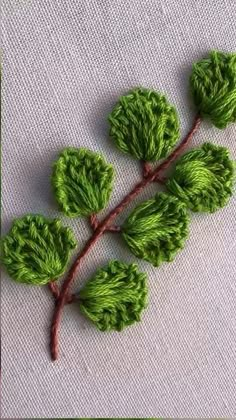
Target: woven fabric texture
(65,65)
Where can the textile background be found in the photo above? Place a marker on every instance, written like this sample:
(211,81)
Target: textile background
(65,65)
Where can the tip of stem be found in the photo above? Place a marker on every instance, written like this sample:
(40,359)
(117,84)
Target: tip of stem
(54,355)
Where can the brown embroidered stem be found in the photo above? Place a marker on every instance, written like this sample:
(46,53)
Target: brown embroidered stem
(114,229)
(94,222)
(72,298)
(102,227)
(53,287)
(146,169)
(160,179)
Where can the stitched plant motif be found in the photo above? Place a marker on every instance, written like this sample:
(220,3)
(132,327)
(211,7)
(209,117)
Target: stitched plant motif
(145,125)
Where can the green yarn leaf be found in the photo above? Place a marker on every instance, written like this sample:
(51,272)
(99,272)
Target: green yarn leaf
(37,250)
(157,229)
(203,178)
(144,124)
(82,182)
(213,86)
(115,297)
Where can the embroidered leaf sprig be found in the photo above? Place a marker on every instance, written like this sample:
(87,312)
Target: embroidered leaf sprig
(144,124)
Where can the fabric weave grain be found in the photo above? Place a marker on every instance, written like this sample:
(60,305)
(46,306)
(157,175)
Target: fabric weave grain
(66,63)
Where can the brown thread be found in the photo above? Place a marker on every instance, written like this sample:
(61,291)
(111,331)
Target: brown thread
(146,169)
(114,229)
(101,228)
(94,223)
(53,287)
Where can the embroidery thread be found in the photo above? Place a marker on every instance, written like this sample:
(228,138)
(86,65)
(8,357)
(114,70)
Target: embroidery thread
(145,125)
(37,250)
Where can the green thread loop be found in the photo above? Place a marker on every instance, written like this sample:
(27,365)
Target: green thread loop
(213,86)
(157,229)
(37,250)
(82,182)
(203,178)
(115,297)
(144,124)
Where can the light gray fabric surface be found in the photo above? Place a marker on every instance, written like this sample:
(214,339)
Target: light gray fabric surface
(65,64)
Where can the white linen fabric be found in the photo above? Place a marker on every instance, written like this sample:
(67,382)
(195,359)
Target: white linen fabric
(65,65)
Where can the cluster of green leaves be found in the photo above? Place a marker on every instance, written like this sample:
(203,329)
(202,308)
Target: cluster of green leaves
(145,125)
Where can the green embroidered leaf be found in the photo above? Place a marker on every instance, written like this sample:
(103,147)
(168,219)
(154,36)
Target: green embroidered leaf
(144,124)
(213,86)
(82,182)
(203,178)
(37,250)
(157,229)
(115,297)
